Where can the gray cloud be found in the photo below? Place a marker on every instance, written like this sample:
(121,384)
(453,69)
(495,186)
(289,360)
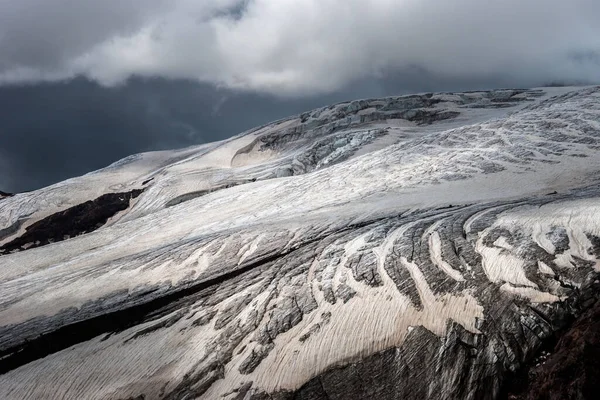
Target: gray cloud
(296,47)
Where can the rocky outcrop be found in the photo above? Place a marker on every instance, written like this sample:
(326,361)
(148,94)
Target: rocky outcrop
(80,219)
(568,368)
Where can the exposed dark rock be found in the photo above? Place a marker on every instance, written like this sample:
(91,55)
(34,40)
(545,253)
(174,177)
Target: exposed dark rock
(568,367)
(77,220)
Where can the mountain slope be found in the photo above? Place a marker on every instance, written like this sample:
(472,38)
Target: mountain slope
(413,247)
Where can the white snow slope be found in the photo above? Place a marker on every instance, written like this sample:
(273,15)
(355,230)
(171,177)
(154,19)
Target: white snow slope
(252,266)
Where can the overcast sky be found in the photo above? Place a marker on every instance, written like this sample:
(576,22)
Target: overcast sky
(215,67)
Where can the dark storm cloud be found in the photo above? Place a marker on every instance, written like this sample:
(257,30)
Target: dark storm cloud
(297,47)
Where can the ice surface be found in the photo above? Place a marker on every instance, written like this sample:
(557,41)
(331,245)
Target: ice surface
(318,241)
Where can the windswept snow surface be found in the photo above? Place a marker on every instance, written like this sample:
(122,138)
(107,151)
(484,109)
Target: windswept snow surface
(409,247)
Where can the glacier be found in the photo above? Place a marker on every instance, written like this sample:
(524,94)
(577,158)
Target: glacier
(422,246)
